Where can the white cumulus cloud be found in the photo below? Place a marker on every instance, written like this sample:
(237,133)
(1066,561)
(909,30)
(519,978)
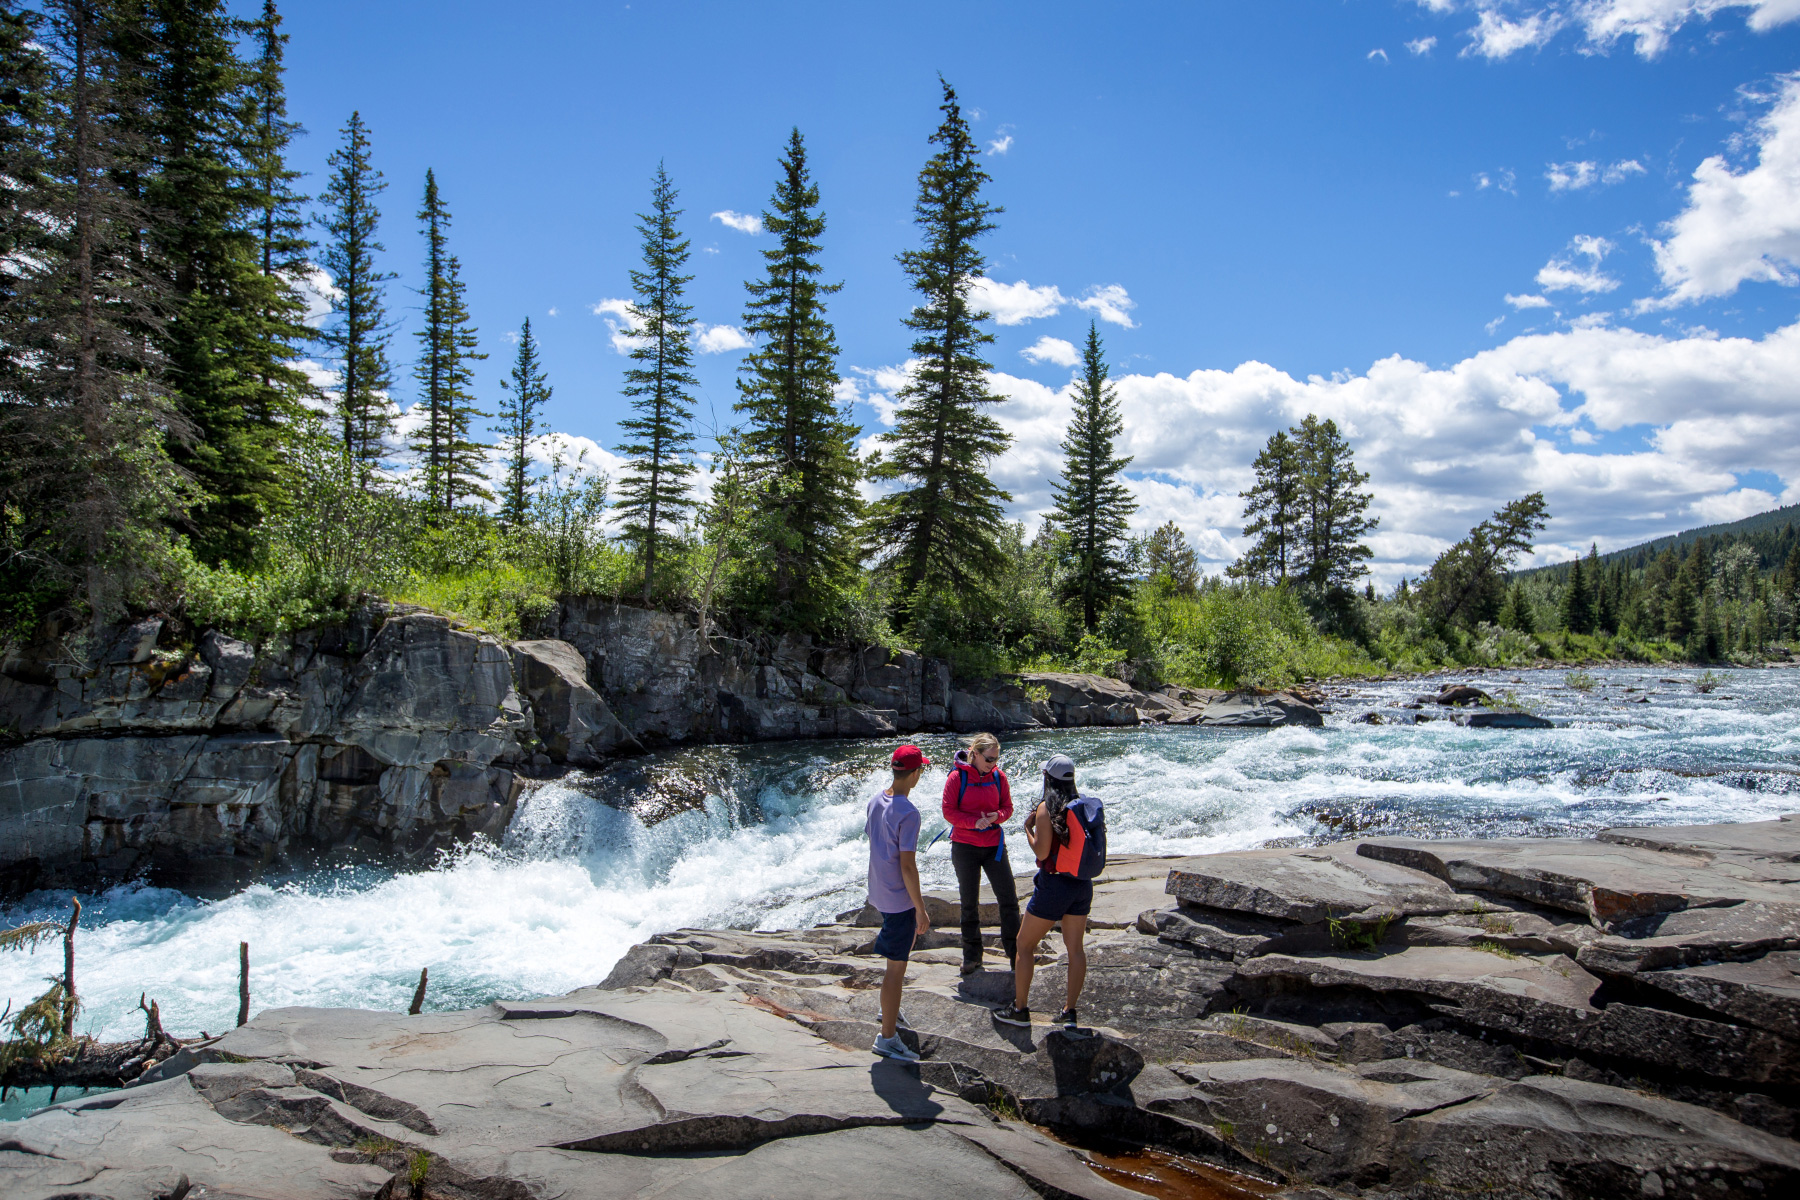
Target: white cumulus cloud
(1003,140)
(1527,301)
(718,339)
(1052,350)
(1651,23)
(1110,302)
(1495,36)
(1565,274)
(742,222)
(623,321)
(1573,176)
(1422,46)
(1016,303)
(1445,447)
(1739,226)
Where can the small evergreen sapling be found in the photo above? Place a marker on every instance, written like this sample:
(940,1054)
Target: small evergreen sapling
(522,394)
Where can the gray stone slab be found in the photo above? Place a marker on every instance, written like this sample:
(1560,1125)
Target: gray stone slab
(1607,882)
(1308,886)
(1764,993)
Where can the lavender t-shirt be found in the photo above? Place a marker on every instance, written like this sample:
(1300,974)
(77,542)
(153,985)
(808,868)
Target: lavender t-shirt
(893,828)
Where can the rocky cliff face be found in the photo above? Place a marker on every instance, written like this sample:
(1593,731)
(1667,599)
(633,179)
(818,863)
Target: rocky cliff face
(399,733)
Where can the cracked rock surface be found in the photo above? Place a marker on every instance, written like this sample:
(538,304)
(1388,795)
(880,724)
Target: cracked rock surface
(1569,1019)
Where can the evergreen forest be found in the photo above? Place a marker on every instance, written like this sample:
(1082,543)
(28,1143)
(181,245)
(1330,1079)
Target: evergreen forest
(165,452)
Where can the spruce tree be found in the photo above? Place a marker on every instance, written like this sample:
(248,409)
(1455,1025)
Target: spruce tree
(1516,612)
(798,441)
(196,115)
(1272,513)
(1681,610)
(1091,506)
(659,440)
(283,249)
(358,330)
(1577,604)
(522,395)
(437,351)
(939,528)
(1332,506)
(85,483)
(465,459)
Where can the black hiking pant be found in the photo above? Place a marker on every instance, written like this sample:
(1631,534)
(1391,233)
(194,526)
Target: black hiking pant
(970,862)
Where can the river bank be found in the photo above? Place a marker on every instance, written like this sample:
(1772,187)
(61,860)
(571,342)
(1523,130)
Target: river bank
(1617,1016)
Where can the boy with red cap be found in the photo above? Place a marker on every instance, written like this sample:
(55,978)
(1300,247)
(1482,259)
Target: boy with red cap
(892,826)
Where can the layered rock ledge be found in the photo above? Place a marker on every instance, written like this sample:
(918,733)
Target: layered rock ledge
(1615,1017)
(201,762)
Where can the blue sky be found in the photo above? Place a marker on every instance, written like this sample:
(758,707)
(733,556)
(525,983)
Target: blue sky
(1276,208)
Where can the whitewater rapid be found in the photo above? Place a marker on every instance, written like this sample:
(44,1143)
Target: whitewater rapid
(771,836)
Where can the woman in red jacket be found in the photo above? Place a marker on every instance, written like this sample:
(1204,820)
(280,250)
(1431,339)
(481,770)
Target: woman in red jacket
(977,801)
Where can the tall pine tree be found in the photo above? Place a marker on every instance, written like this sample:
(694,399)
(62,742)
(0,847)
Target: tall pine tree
(654,492)
(1577,604)
(1272,513)
(358,331)
(940,527)
(522,395)
(283,249)
(465,459)
(1092,507)
(197,114)
(798,441)
(437,351)
(85,483)
(1333,503)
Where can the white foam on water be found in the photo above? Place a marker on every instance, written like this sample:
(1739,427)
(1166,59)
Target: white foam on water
(777,843)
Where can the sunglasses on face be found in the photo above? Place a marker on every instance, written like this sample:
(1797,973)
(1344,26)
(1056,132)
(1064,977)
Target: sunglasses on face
(990,758)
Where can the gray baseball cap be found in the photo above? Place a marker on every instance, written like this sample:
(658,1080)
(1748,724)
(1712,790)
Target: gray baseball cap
(1060,766)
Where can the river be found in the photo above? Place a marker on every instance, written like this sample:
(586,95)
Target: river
(771,836)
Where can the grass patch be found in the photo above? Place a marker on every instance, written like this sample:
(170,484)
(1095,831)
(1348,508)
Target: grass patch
(417,1168)
(1581,681)
(1496,948)
(1358,935)
(375,1147)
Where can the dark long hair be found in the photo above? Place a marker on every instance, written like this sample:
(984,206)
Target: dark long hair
(1059,794)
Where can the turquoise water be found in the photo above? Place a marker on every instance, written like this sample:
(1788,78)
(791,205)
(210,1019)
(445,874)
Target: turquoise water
(770,836)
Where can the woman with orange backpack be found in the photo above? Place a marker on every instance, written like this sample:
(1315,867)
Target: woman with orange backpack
(1067,832)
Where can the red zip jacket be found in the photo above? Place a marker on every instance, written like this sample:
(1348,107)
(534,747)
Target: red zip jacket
(965,803)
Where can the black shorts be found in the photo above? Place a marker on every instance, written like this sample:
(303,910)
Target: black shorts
(896,937)
(1055,896)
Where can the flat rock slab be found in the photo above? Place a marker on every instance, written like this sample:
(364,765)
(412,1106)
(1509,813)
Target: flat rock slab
(1764,993)
(1605,881)
(1693,935)
(1329,1124)
(1534,986)
(1778,839)
(1309,886)
(138,1143)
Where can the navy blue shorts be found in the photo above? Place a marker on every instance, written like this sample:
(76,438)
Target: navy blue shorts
(896,937)
(1055,896)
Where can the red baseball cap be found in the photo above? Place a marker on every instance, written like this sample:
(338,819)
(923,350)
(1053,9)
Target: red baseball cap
(910,758)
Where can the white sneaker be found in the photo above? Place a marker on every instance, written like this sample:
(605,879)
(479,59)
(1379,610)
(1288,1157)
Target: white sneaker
(893,1047)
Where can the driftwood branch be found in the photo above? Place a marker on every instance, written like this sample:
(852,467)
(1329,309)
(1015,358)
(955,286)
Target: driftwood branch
(243,983)
(418,1003)
(68,1021)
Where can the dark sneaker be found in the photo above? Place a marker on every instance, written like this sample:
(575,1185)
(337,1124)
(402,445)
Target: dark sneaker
(1067,1019)
(1011,1015)
(969,968)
